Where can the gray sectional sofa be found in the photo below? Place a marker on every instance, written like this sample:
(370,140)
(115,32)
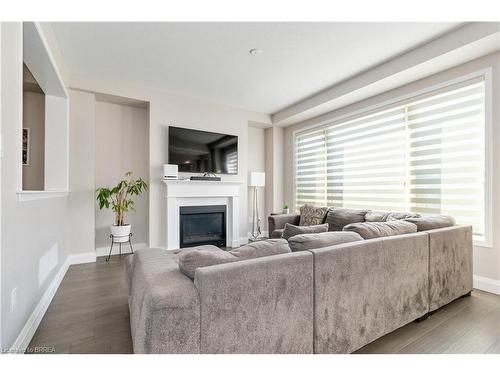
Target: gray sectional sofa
(330,299)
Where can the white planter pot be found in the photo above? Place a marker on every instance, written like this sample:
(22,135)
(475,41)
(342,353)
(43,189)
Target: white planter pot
(121,232)
(286,210)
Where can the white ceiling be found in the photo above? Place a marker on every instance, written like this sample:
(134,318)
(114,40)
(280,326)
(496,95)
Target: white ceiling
(211,60)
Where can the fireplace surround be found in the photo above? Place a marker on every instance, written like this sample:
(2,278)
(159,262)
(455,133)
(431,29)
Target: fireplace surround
(186,193)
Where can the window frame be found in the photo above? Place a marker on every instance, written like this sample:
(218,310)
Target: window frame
(486,73)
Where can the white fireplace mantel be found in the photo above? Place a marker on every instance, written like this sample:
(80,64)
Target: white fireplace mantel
(181,193)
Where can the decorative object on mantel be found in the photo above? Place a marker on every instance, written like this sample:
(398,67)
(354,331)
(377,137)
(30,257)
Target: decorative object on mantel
(257,179)
(207,176)
(286,210)
(119,198)
(170,171)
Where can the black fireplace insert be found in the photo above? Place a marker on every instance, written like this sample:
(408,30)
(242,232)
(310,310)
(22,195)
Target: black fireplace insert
(202,225)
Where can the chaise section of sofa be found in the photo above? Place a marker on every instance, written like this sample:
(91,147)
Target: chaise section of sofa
(262,305)
(366,289)
(164,304)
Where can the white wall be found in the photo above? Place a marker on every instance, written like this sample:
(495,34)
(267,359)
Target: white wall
(1,156)
(167,108)
(486,260)
(36,236)
(34,120)
(257,163)
(121,145)
(80,209)
(274,170)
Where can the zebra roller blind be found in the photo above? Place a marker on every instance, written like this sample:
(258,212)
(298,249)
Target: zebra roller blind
(425,155)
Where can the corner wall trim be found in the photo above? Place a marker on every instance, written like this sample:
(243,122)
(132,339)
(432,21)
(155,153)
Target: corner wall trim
(486,284)
(24,338)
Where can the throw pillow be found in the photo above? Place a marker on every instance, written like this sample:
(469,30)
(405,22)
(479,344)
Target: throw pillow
(311,241)
(338,218)
(432,222)
(292,230)
(374,229)
(311,215)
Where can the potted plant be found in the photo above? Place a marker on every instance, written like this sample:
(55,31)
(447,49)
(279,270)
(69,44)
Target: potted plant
(120,200)
(286,210)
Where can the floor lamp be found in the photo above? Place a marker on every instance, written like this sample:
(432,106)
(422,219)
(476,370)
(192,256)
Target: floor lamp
(257,179)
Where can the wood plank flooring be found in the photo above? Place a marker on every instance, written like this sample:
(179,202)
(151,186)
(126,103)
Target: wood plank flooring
(89,314)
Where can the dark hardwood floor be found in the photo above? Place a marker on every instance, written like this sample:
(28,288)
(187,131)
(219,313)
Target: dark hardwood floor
(89,314)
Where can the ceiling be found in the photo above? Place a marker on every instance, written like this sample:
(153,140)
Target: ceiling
(212,60)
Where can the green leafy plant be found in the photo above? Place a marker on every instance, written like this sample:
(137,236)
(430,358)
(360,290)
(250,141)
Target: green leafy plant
(285,207)
(120,196)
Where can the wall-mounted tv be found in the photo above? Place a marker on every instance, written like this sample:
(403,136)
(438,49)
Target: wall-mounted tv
(196,151)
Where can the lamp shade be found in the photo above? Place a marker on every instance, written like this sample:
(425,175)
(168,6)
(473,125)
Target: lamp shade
(257,179)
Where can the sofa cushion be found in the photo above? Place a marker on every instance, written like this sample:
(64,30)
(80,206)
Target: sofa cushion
(338,218)
(375,229)
(312,215)
(311,241)
(292,230)
(261,249)
(388,215)
(401,215)
(432,222)
(203,256)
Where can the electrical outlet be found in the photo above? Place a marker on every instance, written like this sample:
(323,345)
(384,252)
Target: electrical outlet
(13,300)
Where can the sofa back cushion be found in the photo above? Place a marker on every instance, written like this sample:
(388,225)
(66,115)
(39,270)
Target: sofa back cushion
(203,256)
(338,218)
(388,215)
(261,249)
(374,229)
(312,215)
(432,222)
(293,230)
(311,241)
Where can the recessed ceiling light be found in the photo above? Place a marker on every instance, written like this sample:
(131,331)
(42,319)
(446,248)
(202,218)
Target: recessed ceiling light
(255,51)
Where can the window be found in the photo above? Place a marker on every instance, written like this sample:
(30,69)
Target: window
(425,155)
(232,162)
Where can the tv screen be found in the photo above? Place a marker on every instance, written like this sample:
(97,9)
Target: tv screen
(198,151)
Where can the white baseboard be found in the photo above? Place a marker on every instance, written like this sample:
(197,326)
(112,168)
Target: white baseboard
(81,258)
(486,284)
(29,329)
(104,251)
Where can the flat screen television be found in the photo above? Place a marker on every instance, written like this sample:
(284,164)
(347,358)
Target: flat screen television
(196,151)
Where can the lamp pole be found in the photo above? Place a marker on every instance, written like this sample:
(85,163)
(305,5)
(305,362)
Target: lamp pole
(255,217)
